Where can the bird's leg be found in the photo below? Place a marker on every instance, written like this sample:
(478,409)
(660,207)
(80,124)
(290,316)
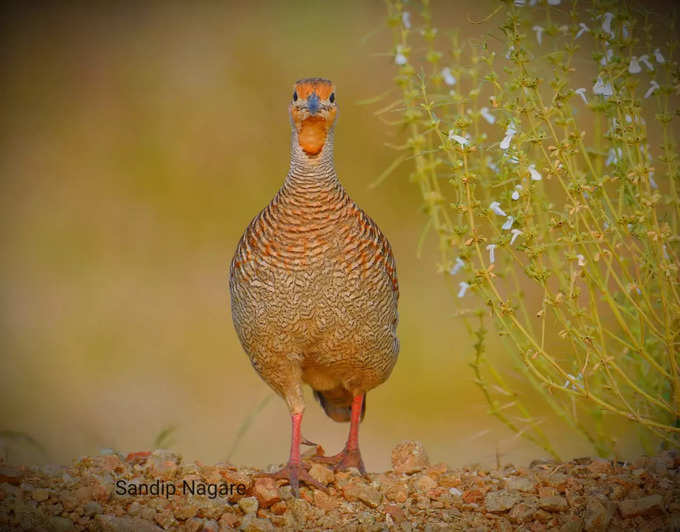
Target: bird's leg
(294,471)
(350,456)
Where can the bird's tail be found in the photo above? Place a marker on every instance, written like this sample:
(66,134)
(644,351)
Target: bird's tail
(337,403)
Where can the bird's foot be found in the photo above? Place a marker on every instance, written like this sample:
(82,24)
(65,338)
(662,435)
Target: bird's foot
(343,460)
(294,474)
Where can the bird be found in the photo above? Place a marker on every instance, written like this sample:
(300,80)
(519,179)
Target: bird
(314,289)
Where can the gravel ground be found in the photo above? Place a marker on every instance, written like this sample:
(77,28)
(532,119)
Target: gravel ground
(153,491)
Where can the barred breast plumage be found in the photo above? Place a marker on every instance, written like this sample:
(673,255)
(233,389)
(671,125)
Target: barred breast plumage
(313,284)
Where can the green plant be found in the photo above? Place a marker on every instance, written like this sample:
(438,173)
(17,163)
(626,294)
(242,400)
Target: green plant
(545,156)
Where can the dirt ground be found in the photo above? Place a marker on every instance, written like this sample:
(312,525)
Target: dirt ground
(157,491)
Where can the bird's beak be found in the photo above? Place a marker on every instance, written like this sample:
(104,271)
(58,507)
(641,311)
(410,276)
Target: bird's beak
(313,103)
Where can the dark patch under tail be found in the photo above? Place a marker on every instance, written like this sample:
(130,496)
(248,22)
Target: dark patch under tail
(337,404)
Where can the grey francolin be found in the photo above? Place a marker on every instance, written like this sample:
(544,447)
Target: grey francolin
(314,287)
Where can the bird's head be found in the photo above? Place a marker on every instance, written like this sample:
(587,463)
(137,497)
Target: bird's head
(312,111)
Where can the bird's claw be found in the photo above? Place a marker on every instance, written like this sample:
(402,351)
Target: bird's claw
(294,474)
(343,460)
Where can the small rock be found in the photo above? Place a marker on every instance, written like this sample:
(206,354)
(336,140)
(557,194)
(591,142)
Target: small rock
(522,512)
(249,505)
(111,523)
(573,525)
(165,518)
(60,524)
(91,508)
(599,466)
(279,508)
(266,492)
(409,457)
(643,506)
(520,484)
(252,523)
(596,517)
(355,489)
(10,475)
(395,512)
(164,462)
(229,520)
(500,501)
(542,516)
(40,494)
(424,483)
(195,524)
(184,510)
(472,496)
(554,503)
(321,474)
(324,501)
(397,492)
(210,525)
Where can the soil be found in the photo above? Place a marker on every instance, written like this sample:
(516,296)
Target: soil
(152,491)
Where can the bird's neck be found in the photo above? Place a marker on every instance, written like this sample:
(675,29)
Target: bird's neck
(311,172)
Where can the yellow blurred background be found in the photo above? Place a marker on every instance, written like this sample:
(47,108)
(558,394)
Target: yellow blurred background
(138,142)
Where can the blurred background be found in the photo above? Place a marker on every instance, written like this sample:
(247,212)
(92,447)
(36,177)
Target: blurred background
(137,144)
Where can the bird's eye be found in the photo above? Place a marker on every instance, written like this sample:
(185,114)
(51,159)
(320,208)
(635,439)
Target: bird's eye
(295,96)
(332,97)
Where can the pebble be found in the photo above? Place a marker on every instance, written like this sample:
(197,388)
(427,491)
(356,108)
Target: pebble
(520,484)
(597,517)
(40,494)
(409,457)
(249,505)
(266,492)
(321,474)
(356,489)
(642,506)
(555,503)
(500,501)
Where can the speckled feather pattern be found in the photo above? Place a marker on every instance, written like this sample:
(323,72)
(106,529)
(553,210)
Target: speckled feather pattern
(314,287)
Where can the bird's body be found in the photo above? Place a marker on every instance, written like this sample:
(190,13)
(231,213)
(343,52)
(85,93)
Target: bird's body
(313,283)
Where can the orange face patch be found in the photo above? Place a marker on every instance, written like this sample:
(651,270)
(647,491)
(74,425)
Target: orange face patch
(322,87)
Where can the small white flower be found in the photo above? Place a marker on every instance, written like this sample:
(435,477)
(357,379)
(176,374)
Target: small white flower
(539,33)
(582,93)
(582,29)
(645,59)
(629,119)
(486,114)
(400,58)
(515,193)
(509,133)
(460,140)
(513,159)
(573,382)
(492,165)
(554,2)
(634,67)
(613,156)
(653,86)
(448,77)
(457,266)
(496,207)
(607,24)
(607,57)
(455,492)
(463,288)
(508,223)
(605,89)
(652,183)
(581,260)
(665,252)
(515,234)
(490,248)
(624,31)
(659,58)
(535,174)
(510,50)
(520,3)
(406,19)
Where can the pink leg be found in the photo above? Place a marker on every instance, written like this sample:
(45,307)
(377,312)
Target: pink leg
(350,456)
(294,471)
